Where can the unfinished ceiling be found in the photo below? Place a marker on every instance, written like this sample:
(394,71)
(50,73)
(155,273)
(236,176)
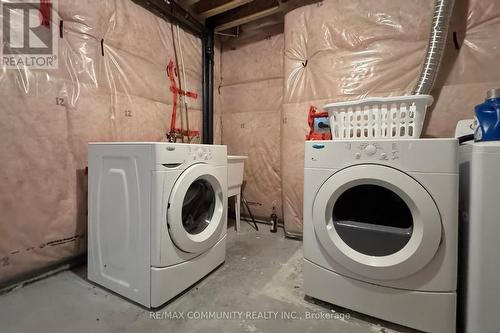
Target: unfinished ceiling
(237,21)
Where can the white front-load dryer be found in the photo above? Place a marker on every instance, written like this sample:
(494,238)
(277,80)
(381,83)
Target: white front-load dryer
(157,217)
(380,228)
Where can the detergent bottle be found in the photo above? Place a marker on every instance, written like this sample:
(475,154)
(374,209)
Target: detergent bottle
(487,117)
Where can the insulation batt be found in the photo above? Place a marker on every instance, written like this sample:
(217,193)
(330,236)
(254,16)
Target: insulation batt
(251,100)
(49,116)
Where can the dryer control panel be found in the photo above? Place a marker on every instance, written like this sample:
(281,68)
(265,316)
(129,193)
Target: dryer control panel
(424,155)
(375,150)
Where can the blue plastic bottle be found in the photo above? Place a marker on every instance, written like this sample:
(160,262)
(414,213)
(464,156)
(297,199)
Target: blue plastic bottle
(487,118)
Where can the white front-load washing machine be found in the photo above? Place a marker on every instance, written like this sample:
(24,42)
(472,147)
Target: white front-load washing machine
(380,228)
(157,217)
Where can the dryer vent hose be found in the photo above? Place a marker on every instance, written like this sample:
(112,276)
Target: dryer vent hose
(435,48)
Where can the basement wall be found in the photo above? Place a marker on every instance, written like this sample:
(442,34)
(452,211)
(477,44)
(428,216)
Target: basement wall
(251,93)
(470,65)
(119,92)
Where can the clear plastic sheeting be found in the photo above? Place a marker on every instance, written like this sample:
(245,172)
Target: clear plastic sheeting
(349,49)
(111,85)
(251,95)
(473,48)
(469,65)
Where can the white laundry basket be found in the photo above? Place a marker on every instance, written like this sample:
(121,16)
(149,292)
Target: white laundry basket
(380,117)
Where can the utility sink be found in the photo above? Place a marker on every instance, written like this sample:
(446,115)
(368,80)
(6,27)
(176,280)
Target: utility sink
(235,166)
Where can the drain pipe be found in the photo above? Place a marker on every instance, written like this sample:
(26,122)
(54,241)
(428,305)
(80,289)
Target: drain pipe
(435,48)
(208,86)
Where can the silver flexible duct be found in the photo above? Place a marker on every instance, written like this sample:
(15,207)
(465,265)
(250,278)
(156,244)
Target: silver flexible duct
(435,47)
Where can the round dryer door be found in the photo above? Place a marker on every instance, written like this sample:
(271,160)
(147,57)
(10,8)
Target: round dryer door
(377,222)
(196,208)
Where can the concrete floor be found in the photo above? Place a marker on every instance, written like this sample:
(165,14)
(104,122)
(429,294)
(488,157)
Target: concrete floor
(262,273)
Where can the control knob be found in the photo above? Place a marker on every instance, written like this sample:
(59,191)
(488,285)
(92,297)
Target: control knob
(370,150)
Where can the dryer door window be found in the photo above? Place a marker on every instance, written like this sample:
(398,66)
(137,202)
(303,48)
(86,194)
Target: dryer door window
(196,213)
(198,206)
(377,222)
(382,226)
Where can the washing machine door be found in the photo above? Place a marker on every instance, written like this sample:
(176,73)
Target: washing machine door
(195,214)
(377,222)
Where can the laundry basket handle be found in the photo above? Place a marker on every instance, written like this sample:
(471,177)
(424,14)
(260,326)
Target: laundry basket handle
(427,100)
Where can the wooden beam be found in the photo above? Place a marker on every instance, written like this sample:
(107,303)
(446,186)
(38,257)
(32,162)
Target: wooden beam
(190,2)
(172,11)
(252,36)
(214,7)
(262,23)
(289,5)
(247,13)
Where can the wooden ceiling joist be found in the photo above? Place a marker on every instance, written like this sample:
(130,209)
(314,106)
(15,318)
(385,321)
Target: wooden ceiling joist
(246,13)
(190,2)
(209,8)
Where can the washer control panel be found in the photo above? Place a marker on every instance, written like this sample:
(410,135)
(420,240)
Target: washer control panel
(173,155)
(374,150)
(201,153)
